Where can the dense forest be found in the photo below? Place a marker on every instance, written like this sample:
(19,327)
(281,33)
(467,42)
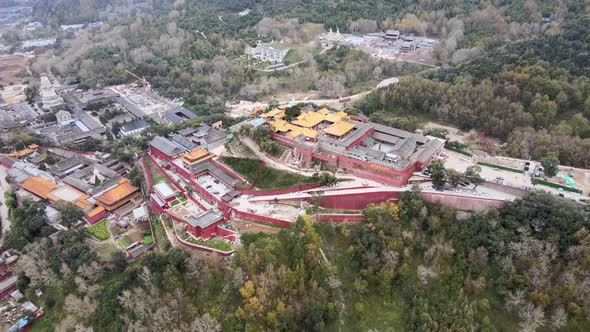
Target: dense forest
(410,266)
(533,93)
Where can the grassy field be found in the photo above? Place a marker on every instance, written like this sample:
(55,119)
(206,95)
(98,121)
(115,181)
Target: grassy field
(270,178)
(125,241)
(99,230)
(211,243)
(148,240)
(160,235)
(157,176)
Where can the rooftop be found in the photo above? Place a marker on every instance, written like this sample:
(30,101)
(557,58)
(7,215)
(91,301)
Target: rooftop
(39,186)
(123,189)
(134,125)
(205,220)
(339,128)
(196,156)
(164,190)
(179,114)
(166,146)
(293,130)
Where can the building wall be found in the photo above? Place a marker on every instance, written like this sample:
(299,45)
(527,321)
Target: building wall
(8,166)
(159,154)
(96,218)
(205,233)
(374,172)
(264,219)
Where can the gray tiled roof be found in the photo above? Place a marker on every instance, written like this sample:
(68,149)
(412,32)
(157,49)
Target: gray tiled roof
(179,114)
(131,126)
(205,220)
(404,148)
(166,146)
(379,128)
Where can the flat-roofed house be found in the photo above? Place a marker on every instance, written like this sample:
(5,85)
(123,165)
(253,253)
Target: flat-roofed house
(164,191)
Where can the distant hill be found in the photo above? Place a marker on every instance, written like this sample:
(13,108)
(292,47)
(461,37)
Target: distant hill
(57,12)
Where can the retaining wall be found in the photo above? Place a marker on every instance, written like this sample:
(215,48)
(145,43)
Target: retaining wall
(203,248)
(355,201)
(265,219)
(504,188)
(463,202)
(354,218)
(270,192)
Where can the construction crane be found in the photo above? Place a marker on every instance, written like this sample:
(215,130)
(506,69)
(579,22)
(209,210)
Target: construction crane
(146,84)
(486,144)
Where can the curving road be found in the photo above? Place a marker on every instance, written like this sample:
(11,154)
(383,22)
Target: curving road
(3,209)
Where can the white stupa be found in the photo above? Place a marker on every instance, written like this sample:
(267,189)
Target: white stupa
(51,101)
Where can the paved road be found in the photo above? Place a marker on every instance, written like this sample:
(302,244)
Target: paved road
(3,209)
(244,108)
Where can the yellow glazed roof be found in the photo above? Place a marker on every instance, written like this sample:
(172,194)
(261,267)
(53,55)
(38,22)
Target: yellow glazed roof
(339,128)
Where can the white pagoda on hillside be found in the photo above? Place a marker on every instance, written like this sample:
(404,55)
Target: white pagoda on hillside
(51,101)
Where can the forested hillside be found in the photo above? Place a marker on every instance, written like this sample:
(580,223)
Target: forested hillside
(534,93)
(411,267)
(192,49)
(58,12)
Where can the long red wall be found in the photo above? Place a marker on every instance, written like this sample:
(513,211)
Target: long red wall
(355,201)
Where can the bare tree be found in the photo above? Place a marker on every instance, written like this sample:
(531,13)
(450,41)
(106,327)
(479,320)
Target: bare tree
(558,318)
(331,86)
(532,317)
(35,264)
(426,273)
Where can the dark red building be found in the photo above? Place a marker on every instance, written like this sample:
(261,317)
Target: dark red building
(165,149)
(205,225)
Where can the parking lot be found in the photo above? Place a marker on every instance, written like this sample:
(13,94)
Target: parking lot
(214,186)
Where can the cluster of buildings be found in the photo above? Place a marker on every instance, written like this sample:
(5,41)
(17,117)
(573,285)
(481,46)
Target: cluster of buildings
(79,113)
(10,15)
(16,313)
(384,44)
(94,183)
(341,141)
(187,154)
(273,52)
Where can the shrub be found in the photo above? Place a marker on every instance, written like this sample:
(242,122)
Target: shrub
(99,230)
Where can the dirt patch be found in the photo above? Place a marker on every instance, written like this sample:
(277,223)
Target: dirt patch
(10,66)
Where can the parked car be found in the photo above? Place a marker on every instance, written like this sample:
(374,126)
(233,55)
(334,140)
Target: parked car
(216,181)
(209,186)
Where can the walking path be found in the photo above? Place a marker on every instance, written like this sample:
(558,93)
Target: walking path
(356,181)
